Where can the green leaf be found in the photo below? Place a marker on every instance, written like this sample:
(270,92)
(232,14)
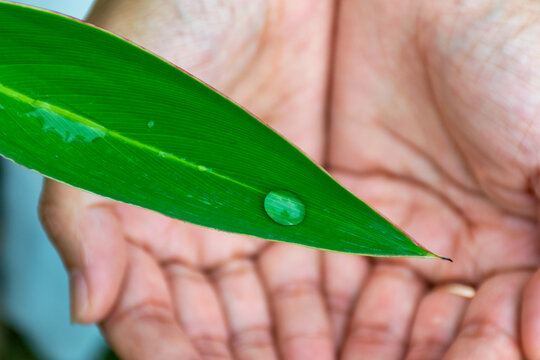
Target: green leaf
(87,108)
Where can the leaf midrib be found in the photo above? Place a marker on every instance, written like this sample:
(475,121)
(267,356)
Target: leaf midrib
(71,116)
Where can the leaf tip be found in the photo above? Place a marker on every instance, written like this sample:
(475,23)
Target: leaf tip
(435,256)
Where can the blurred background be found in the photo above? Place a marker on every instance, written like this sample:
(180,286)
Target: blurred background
(34,302)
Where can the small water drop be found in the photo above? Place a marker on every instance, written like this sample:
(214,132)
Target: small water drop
(284,207)
(150,124)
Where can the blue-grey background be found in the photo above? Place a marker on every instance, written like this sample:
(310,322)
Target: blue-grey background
(34,284)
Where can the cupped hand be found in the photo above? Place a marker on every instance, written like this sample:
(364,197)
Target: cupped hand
(425,109)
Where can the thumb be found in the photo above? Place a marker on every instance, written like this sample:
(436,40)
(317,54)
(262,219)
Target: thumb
(86,233)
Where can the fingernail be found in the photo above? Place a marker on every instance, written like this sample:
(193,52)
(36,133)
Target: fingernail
(79,295)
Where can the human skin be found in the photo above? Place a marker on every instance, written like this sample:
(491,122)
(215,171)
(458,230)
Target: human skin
(427,110)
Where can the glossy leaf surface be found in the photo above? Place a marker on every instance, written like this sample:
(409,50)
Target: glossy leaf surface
(85,107)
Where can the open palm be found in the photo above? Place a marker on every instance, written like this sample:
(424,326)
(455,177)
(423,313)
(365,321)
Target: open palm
(426,110)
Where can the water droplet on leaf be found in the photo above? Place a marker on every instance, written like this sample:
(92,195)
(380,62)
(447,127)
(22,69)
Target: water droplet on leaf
(150,124)
(69,130)
(284,207)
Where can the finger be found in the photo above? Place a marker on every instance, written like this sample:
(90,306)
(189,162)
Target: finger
(343,276)
(142,324)
(435,325)
(530,317)
(384,313)
(245,305)
(291,274)
(490,325)
(86,233)
(198,311)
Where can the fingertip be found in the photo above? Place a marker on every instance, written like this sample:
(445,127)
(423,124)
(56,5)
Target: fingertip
(87,234)
(96,280)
